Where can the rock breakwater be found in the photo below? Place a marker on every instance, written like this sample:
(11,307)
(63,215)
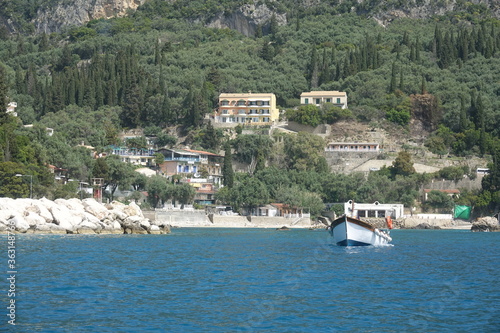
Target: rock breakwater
(74,216)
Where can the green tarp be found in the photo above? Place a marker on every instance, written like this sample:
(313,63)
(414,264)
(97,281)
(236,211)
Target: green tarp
(462,212)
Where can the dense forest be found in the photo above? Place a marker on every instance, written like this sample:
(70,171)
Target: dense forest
(157,68)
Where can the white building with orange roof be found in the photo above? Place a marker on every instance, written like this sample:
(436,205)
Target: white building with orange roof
(249,108)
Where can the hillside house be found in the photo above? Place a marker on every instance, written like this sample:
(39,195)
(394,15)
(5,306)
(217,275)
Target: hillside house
(11,109)
(250,109)
(353,147)
(205,190)
(454,193)
(136,156)
(317,98)
(188,161)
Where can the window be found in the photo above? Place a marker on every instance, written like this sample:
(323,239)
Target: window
(318,100)
(224,111)
(255,120)
(225,102)
(265,103)
(328,100)
(306,100)
(338,101)
(241,103)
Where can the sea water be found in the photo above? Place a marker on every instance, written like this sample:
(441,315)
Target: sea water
(262,280)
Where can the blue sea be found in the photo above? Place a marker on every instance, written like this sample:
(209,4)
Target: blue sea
(255,280)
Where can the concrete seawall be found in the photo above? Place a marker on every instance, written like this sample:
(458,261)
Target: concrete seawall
(198,218)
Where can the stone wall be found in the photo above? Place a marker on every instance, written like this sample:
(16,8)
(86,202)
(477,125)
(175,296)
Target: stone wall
(184,218)
(323,130)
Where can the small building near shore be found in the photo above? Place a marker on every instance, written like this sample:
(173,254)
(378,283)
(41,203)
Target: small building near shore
(376,209)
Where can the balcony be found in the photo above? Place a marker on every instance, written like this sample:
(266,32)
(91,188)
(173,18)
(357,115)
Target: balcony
(183,159)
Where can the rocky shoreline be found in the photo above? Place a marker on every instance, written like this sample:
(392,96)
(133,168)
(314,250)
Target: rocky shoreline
(74,216)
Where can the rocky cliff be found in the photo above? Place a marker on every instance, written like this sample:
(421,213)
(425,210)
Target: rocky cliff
(246,17)
(79,12)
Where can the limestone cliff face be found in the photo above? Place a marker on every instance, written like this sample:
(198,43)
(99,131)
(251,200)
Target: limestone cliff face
(79,12)
(246,18)
(385,13)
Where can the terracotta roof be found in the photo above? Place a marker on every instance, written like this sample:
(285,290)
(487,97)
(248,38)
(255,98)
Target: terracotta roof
(452,191)
(201,152)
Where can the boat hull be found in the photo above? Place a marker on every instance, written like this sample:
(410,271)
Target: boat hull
(348,231)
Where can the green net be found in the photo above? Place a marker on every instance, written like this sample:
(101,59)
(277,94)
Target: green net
(462,212)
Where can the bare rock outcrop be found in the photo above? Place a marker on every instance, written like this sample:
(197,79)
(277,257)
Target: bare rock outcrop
(485,224)
(246,18)
(79,12)
(75,217)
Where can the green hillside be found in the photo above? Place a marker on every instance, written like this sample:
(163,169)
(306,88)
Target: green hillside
(158,68)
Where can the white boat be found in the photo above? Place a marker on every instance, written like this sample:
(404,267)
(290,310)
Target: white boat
(348,231)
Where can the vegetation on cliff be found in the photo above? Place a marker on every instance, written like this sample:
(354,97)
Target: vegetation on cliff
(156,69)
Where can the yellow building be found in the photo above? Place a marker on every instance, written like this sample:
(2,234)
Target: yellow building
(251,108)
(337,98)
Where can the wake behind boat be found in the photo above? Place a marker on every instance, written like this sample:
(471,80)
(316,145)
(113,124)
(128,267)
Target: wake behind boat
(349,231)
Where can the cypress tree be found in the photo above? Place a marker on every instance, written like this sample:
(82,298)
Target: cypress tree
(406,39)
(401,81)
(132,106)
(313,68)
(392,86)
(44,43)
(417,49)
(463,115)
(227,169)
(20,86)
(260,163)
(258,31)
(273,25)
(473,108)
(423,86)
(165,117)
(482,129)
(267,52)
(3,95)
(412,53)
(157,52)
